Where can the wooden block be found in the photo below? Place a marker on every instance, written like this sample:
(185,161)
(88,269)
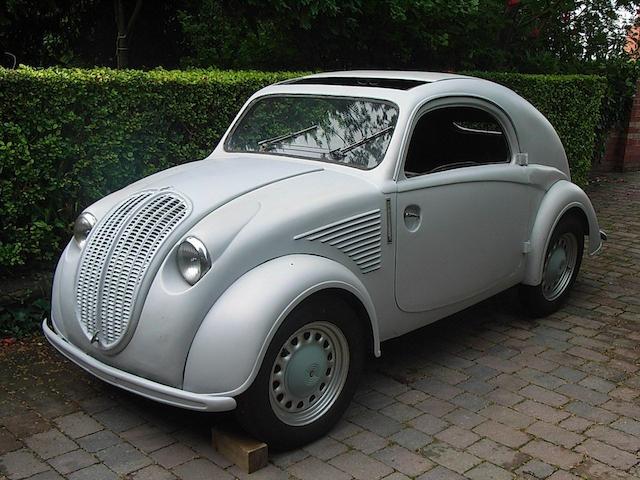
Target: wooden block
(248,454)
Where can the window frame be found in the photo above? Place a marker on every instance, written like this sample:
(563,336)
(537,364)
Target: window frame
(249,105)
(430,105)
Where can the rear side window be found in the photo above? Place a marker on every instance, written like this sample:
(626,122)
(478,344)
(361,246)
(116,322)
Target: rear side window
(455,137)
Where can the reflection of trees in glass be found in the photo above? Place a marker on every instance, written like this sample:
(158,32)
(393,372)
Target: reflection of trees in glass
(341,122)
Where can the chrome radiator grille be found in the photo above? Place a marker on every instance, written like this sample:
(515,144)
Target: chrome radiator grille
(116,258)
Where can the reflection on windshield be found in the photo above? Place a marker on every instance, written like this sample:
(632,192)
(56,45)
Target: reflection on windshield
(354,132)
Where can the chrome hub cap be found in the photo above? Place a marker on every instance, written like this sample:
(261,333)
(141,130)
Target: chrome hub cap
(559,266)
(309,373)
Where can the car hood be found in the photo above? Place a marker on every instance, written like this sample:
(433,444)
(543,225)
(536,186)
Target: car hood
(211,183)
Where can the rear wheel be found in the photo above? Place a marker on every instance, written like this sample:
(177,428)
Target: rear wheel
(561,266)
(308,375)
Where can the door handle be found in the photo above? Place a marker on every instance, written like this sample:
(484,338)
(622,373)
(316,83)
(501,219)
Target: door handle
(412,218)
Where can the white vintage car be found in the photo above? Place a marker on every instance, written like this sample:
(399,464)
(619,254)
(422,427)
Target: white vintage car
(339,210)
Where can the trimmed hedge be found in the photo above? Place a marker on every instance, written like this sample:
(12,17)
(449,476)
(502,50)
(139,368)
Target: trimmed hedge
(573,105)
(70,136)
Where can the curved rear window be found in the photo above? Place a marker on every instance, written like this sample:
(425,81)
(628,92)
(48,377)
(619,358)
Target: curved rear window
(350,131)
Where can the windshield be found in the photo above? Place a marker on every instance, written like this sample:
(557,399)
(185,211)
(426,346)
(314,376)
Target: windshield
(351,131)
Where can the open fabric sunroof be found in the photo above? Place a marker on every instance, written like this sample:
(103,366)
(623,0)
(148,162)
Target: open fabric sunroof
(395,83)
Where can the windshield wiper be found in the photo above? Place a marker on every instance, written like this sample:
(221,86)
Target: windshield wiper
(342,151)
(263,144)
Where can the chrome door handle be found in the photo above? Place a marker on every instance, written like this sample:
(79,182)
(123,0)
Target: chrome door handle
(411,214)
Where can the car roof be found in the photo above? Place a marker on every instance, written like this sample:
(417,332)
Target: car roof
(394,79)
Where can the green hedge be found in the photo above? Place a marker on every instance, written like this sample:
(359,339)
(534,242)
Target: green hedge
(69,136)
(573,105)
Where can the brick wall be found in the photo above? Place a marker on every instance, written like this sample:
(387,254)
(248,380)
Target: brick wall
(622,151)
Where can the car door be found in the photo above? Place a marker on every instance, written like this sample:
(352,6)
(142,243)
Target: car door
(463,207)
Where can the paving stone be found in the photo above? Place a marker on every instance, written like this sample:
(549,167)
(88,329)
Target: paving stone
(153,472)
(464,418)
(598,384)
(488,471)
(361,466)
(615,438)
(504,397)
(286,459)
(119,419)
(377,423)
(584,394)
(72,461)
(403,460)
(97,404)
(440,473)
(374,400)
(437,388)
(541,411)
(123,458)
(270,472)
(147,438)
(607,454)
(569,374)
(536,468)
(411,438)
(400,412)
(543,395)
(552,454)
(502,434)
(48,475)
(26,424)
(435,406)
(8,442)
(493,452)
(507,416)
(576,424)
(203,469)
(313,469)
(173,455)
(458,437)
(21,464)
(628,425)
(94,472)
(344,429)
(326,448)
(411,397)
(50,444)
(98,441)
(428,424)
(596,414)
(555,434)
(562,475)
(449,457)
(540,379)
(77,424)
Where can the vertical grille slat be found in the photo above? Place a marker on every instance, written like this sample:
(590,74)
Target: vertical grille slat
(116,258)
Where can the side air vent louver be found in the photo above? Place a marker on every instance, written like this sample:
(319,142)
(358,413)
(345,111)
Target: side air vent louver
(359,237)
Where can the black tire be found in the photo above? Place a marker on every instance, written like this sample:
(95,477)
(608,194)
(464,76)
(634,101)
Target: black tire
(535,301)
(255,412)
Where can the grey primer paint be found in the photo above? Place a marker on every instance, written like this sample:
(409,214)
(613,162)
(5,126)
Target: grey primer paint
(278,229)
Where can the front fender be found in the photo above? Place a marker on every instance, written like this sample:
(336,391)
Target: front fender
(228,348)
(559,199)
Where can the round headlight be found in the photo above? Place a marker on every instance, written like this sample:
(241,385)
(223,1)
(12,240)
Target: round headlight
(193,260)
(81,228)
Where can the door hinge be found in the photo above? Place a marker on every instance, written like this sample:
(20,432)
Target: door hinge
(526,247)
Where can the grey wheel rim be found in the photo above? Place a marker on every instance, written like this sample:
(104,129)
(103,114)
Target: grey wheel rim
(309,373)
(559,266)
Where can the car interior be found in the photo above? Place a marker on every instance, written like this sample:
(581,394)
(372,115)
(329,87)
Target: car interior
(455,137)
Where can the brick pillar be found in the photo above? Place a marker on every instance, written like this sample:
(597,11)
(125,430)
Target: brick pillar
(631,158)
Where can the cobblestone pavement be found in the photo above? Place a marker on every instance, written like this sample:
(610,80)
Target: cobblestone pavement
(486,394)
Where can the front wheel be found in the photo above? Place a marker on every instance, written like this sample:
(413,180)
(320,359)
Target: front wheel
(308,375)
(561,265)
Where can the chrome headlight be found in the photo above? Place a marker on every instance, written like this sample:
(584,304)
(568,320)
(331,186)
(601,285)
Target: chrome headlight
(82,226)
(193,260)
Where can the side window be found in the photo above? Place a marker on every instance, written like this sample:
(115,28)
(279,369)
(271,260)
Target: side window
(454,137)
